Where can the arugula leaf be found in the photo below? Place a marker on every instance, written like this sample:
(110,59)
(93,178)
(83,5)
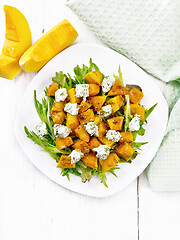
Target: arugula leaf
(141,131)
(112,170)
(80,72)
(51,149)
(86,172)
(119,78)
(43,109)
(127,113)
(149,111)
(65,172)
(63,80)
(137,145)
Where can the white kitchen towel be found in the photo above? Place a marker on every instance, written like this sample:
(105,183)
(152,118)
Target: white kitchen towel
(145,31)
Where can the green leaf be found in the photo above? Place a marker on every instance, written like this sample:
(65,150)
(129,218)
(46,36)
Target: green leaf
(112,170)
(86,172)
(127,113)
(149,111)
(119,78)
(51,149)
(141,131)
(137,145)
(65,172)
(63,80)
(43,109)
(81,71)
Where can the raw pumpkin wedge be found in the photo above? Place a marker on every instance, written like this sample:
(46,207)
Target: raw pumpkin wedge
(51,43)
(17,41)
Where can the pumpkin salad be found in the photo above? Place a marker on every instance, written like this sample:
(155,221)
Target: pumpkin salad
(89,122)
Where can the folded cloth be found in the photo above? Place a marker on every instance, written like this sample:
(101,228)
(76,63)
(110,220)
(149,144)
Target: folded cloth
(145,31)
(148,33)
(164,171)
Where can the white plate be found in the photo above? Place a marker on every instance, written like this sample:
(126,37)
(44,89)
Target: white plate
(108,62)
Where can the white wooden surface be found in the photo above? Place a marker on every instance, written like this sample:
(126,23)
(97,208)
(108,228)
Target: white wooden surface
(33,207)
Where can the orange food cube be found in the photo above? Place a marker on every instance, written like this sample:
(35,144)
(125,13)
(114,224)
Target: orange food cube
(94,77)
(139,110)
(93,89)
(72,121)
(84,106)
(94,143)
(81,145)
(86,117)
(72,96)
(81,133)
(110,162)
(102,129)
(135,95)
(116,103)
(52,89)
(90,160)
(58,117)
(126,137)
(107,142)
(118,89)
(65,162)
(63,142)
(97,102)
(125,151)
(116,123)
(57,107)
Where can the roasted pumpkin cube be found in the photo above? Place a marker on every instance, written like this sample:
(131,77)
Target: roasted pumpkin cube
(139,110)
(126,137)
(87,116)
(52,89)
(72,96)
(90,160)
(124,150)
(81,145)
(118,89)
(110,162)
(97,119)
(107,142)
(72,121)
(94,143)
(58,117)
(65,162)
(97,102)
(102,129)
(81,133)
(84,106)
(94,77)
(135,95)
(57,107)
(116,103)
(63,142)
(93,89)
(116,123)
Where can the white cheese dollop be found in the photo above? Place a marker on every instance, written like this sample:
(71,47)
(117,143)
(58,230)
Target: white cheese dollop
(134,124)
(71,108)
(105,111)
(61,131)
(61,94)
(103,151)
(75,156)
(113,135)
(92,128)
(41,129)
(82,90)
(107,84)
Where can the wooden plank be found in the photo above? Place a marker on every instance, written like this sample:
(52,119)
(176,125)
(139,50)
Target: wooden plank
(159,213)
(33,206)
